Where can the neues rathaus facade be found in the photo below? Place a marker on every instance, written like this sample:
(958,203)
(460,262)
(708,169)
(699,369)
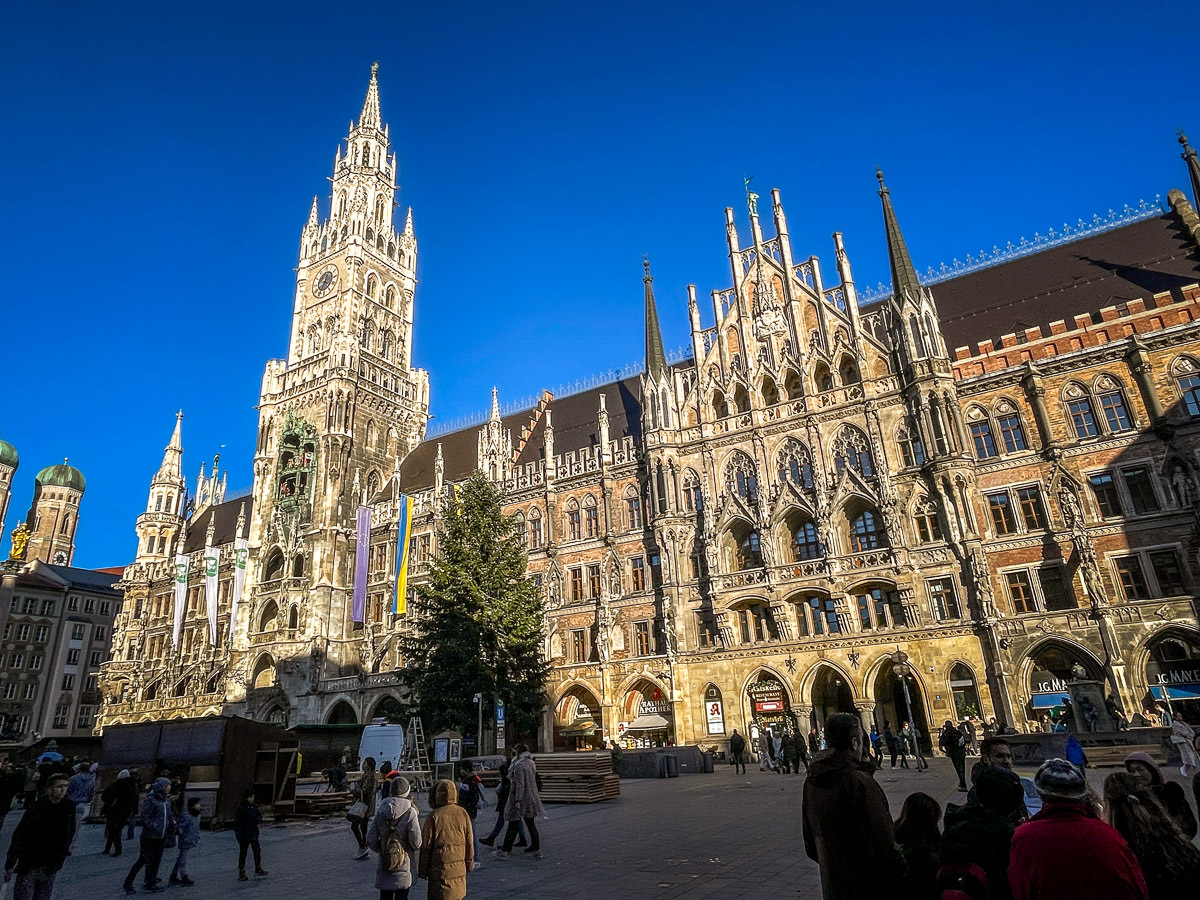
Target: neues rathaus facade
(992,474)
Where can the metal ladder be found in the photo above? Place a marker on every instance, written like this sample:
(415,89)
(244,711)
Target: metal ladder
(414,737)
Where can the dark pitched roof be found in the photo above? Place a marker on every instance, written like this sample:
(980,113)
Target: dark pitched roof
(226,528)
(576,426)
(1106,269)
(86,578)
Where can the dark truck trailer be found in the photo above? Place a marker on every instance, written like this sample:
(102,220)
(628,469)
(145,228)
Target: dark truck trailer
(218,758)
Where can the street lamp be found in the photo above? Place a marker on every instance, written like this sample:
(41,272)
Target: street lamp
(903,670)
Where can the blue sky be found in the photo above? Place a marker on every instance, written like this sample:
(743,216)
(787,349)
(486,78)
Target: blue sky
(161,159)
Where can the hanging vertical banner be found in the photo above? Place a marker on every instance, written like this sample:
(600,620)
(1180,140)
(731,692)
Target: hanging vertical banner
(212,562)
(403,533)
(241,553)
(181,579)
(362,555)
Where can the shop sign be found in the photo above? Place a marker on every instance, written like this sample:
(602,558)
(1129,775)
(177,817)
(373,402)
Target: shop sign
(621,726)
(1043,682)
(1178,672)
(715,715)
(768,706)
(583,711)
(656,707)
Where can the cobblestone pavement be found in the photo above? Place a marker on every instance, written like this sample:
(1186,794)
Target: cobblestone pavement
(719,835)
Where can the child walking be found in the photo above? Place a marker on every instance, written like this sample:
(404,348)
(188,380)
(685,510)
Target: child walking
(189,837)
(245,827)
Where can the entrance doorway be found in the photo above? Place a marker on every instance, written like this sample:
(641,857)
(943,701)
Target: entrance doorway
(965,692)
(831,694)
(577,720)
(892,706)
(648,717)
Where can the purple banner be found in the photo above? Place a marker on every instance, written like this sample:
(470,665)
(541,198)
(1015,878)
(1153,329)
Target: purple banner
(362,553)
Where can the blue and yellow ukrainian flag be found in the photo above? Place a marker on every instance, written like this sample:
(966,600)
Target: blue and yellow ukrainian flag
(403,533)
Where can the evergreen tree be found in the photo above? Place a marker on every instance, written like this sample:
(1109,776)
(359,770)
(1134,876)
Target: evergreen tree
(479,622)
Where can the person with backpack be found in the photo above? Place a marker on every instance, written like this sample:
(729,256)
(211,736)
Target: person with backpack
(470,798)
(394,833)
(737,752)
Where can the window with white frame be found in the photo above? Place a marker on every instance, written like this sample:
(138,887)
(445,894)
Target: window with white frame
(1099,410)
(944,598)
(1187,380)
(62,713)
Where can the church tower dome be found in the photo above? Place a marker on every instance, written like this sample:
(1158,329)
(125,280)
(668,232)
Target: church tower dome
(54,515)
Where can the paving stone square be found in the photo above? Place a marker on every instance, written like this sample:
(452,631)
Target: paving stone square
(696,836)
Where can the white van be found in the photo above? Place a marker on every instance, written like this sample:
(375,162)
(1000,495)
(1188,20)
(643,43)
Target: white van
(383,742)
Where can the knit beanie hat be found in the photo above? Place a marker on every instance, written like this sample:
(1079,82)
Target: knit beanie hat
(1000,791)
(401,788)
(1057,779)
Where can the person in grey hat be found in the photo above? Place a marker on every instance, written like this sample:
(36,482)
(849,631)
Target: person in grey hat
(1067,850)
(395,834)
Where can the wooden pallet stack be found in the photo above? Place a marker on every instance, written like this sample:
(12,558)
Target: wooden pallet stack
(317,806)
(585,777)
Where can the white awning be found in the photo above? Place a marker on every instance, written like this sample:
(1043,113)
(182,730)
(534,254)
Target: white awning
(648,722)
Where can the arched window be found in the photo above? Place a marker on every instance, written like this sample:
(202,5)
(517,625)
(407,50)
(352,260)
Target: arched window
(848,371)
(925,518)
(274,567)
(535,527)
(633,508)
(795,464)
(981,433)
(370,432)
(879,607)
(806,543)
(298,566)
(385,348)
(850,448)
(866,532)
(591,517)
(818,615)
(691,491)
(372,485)
(293,618)
(389,297)
(66,524)
(158,503)
(520,530)
(741,399)
(380,211)
(372,286)
(741,477)
(664,408)
(574,521)
(791,384)
(341,207)
(720,407)
(748,549)
(1080,412)
(911,448)
(1111,400)
(269,616)
(364,155)
(1187,380)
(770,393)
(1008,423)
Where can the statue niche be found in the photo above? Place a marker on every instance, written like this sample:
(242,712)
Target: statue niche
(297,465)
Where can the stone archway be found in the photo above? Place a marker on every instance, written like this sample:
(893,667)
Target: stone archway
(1172,671)
(1048,668)
(649,716)
(387,707)
(892,705)
(577,720)
(831,694)
(341,713)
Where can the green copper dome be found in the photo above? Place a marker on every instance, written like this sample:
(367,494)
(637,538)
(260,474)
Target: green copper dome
(61,475)
(8,454)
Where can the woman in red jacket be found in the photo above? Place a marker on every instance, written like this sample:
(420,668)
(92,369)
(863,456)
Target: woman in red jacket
(1066,850)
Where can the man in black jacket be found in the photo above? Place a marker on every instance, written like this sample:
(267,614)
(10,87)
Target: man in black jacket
(41,842)
(737,752)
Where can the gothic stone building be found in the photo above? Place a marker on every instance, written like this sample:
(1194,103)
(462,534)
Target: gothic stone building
(992,479)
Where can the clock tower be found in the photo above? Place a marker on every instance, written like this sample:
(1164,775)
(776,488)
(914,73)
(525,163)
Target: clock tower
(336,417)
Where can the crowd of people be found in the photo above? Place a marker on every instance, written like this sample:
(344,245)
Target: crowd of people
(1012,838)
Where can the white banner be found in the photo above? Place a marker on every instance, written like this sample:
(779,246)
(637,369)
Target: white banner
(181,580)
(716,716)
(212,562)
(240,554)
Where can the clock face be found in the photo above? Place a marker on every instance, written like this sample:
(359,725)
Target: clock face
(325,281)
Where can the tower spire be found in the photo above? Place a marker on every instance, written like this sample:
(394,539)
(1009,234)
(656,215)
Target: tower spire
(904,274)
(656,359)
(173,454)
(313,211)
(495,417)
(1193,165)
(370,111)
